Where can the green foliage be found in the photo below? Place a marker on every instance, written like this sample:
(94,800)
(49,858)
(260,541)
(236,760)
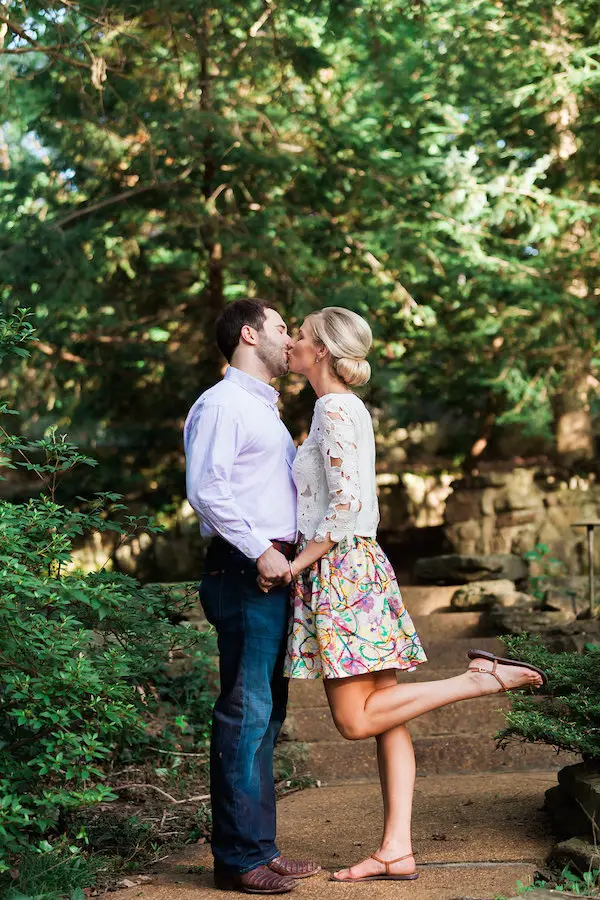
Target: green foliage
(430,168)
(82,657)
(585,885)
(568,715)
(52,874)
(542,567)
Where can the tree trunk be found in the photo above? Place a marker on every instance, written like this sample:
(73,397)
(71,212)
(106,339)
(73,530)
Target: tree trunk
(572,424)
(212,298)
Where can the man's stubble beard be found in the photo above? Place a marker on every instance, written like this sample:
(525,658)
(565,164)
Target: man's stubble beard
(274,358)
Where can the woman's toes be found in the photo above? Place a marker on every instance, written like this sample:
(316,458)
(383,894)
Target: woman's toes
(512,677)
(370,866)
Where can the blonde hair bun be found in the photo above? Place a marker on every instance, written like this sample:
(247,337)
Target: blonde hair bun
(348,338)
(353,372)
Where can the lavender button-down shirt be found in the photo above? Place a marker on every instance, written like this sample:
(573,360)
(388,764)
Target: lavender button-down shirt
(239,457)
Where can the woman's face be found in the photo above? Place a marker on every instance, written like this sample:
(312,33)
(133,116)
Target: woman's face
(305,350)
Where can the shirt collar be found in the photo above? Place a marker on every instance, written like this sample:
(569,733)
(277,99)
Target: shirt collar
(254,386)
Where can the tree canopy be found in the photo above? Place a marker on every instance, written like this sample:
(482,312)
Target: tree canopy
(433,166)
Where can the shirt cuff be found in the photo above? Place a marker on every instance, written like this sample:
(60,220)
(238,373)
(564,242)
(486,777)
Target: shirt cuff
(253,545)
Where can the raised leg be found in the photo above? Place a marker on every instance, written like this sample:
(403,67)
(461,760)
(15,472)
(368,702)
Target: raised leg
(360,711)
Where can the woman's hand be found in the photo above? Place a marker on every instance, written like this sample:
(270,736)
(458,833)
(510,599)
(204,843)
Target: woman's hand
(265,584)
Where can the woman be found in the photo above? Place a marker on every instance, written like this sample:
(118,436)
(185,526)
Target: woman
(349,624)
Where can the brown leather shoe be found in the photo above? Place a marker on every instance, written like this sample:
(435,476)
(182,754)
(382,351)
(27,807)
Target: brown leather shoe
(294,868)
(261,880)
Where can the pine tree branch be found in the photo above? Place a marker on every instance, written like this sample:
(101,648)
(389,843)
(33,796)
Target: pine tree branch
(120,198)
(52,51)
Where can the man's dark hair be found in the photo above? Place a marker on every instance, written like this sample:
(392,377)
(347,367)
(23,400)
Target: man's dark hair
(248,311)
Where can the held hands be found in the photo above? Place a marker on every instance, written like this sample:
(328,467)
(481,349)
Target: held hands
(273,569)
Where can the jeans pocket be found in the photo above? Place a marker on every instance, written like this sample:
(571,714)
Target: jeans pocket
(211,596)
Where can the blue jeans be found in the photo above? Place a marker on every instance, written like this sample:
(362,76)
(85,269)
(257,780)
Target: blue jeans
(252,632)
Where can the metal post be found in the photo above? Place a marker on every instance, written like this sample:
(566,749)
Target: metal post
(589,526)
(590,541)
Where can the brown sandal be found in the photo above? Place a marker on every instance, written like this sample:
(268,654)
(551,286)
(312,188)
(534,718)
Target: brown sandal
(483,654)
(386,877)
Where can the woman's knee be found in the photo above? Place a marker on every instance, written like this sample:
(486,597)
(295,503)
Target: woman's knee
(352,728)
(347,700)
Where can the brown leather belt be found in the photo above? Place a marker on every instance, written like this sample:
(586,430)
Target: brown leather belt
(288,548)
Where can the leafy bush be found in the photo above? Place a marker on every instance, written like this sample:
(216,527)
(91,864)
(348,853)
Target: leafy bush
(542,568)
(568,715)
(83,658)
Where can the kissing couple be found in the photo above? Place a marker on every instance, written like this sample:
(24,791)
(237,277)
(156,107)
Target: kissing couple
(296,586)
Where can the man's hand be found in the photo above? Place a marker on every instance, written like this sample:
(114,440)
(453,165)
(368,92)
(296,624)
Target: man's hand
(273,568)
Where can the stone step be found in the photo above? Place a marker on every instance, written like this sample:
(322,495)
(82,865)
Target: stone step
(333,762)
(452,653)
(422,600)
(446,625)
(483,715)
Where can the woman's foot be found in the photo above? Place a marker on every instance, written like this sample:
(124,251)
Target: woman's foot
(492,677)
(371,866)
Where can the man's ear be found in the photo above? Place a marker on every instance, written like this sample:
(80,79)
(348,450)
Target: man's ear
(248,335)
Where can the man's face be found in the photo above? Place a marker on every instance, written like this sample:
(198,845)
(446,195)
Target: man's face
(274,344)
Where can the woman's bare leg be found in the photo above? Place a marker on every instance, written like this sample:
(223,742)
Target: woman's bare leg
(360,711)
(396,761)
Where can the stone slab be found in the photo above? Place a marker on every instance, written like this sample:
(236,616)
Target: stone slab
(457,568)
(421,600)
(309,692)
(452,653)
(581,855)
(482,715)
(446,625)
(338,761)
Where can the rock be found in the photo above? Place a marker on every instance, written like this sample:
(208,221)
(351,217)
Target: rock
(569,819)
(543,894)
(574,636)
(567,593)
(583,856)
(463,506)
(525,617)
(520,490)
(481,593)
(510,512)
(581,783)
(456,569)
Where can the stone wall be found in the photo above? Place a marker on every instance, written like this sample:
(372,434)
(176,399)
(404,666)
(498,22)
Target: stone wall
(412,499)
(511,512)
(494,512)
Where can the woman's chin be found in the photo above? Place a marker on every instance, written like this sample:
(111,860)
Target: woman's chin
(293,368)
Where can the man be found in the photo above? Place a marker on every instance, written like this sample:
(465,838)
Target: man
(239,457)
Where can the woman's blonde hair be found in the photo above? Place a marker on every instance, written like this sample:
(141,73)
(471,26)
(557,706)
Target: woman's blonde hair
(348,339)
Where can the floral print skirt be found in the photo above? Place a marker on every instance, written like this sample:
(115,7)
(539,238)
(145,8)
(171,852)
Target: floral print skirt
(348,617)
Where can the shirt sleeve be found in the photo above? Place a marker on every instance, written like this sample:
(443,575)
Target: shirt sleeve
(335,434)
(213,442)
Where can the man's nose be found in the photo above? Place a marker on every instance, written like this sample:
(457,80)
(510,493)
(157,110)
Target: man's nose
(290,342)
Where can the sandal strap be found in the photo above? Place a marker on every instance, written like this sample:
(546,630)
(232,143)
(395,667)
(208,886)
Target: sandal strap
(492,671)
(390,862)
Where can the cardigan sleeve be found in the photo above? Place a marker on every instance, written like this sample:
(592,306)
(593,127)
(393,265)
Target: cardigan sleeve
(335,433)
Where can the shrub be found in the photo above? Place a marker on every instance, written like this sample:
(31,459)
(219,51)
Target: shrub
(82,657)
(568,715)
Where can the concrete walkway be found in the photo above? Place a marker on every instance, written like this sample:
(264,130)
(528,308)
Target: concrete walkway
(474,836)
